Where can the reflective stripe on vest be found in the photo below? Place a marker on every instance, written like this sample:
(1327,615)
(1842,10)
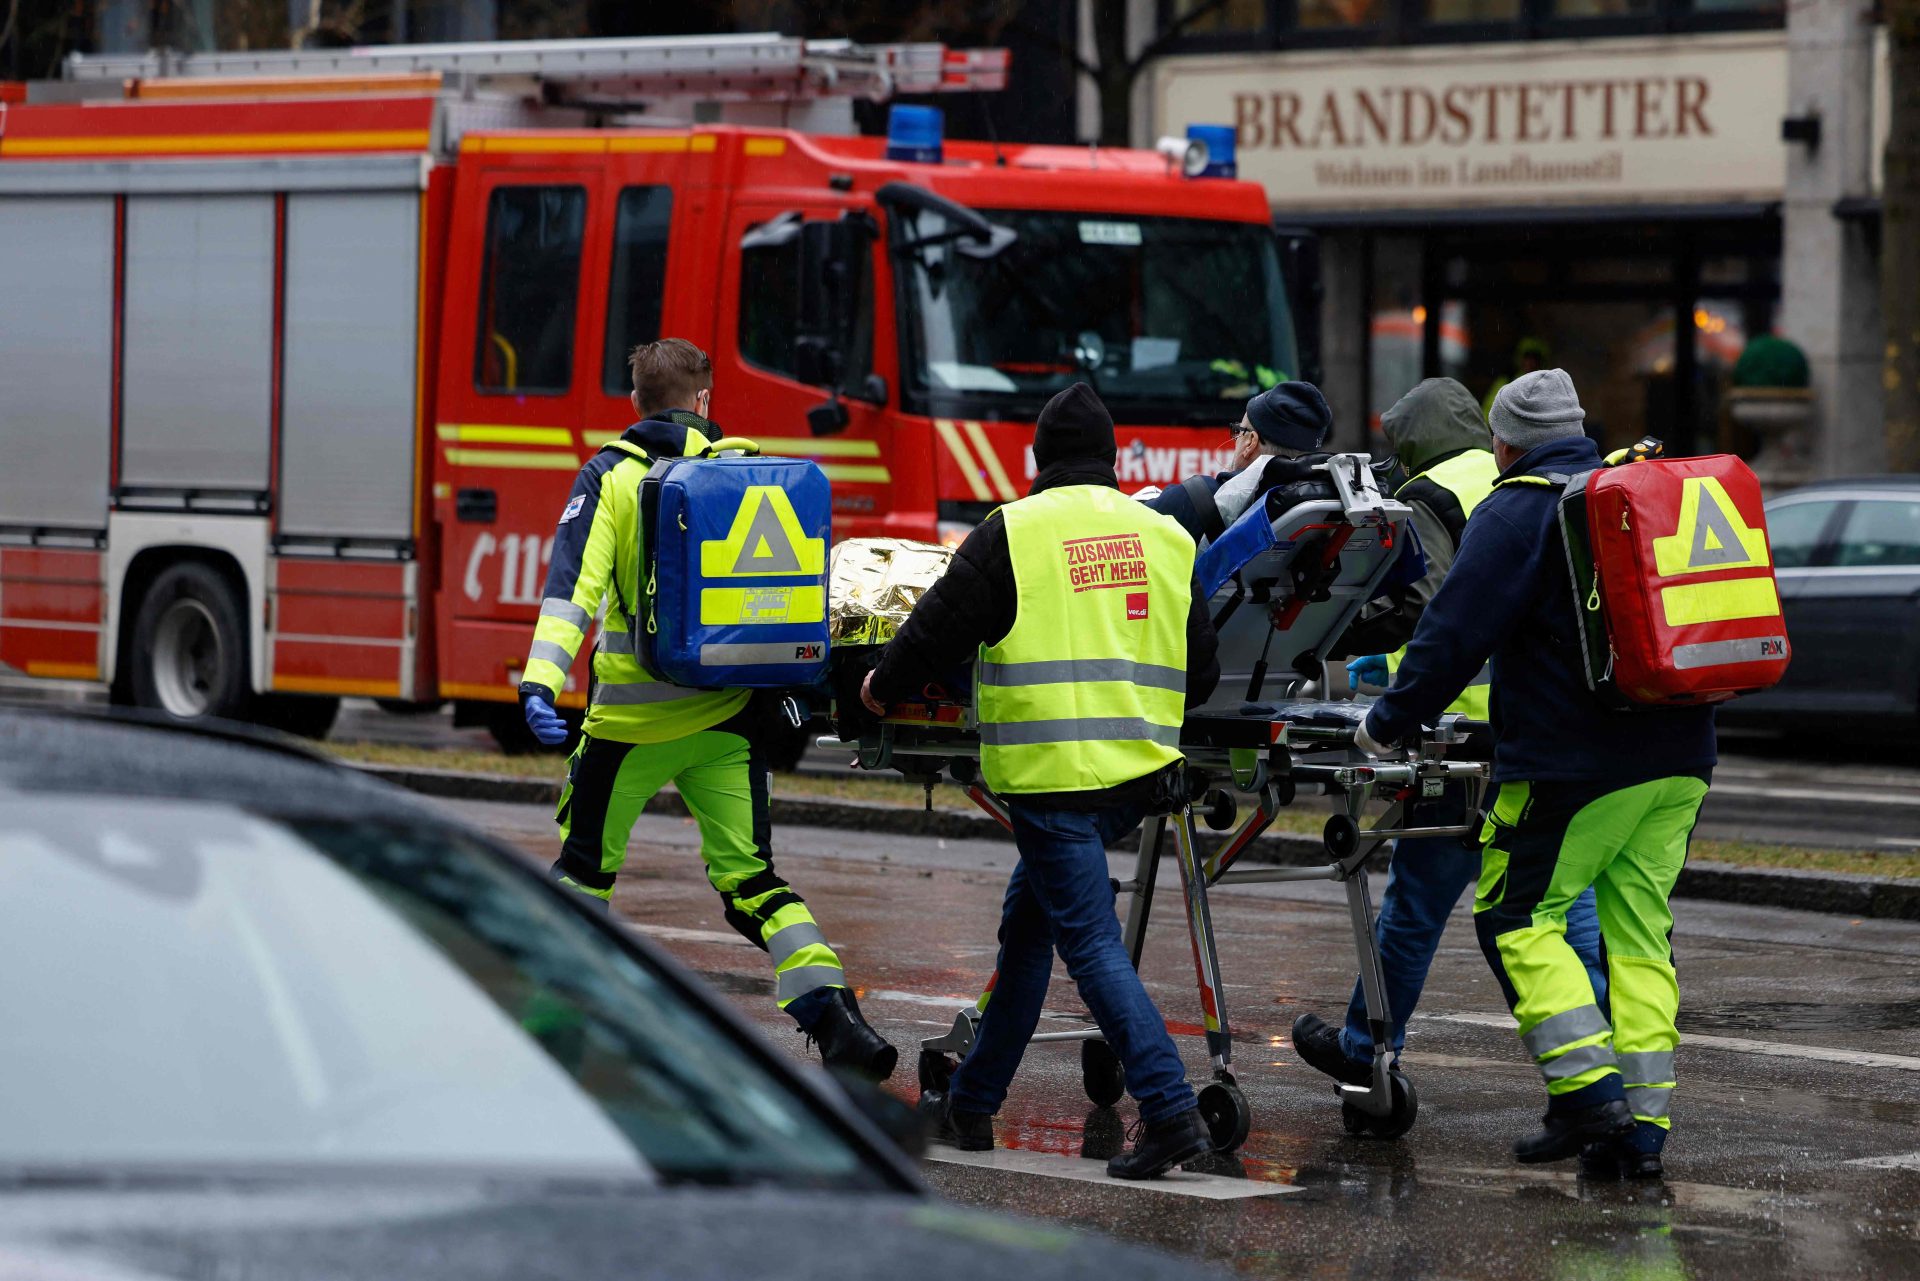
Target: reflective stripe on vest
(1469,477)
(1087,690)
(1051,671)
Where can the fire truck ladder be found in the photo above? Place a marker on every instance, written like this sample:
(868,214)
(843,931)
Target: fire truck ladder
(717,68)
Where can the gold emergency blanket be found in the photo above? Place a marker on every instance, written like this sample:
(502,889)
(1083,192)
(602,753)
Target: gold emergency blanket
(874,583)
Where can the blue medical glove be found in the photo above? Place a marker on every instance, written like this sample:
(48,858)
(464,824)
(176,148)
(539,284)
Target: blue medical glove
(544,721)
(1369,669)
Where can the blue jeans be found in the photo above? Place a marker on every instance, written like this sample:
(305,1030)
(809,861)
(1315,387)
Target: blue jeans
(1424,882)
(1060,897)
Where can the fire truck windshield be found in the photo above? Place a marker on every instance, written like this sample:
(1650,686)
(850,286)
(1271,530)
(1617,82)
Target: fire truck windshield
(1172,320)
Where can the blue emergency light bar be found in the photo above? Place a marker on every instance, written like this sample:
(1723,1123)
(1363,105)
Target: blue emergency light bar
(1218,140)
(915,133)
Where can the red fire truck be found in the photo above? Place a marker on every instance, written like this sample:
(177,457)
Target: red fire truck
(299,352)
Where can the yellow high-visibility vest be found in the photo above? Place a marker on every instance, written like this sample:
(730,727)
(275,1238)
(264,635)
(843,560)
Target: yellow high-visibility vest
(1088,688)
(1469,477)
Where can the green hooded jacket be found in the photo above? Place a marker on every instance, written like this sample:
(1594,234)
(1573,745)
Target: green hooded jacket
(1434,422)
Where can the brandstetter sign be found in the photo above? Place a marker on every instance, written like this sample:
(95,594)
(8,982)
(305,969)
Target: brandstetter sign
(1663,120)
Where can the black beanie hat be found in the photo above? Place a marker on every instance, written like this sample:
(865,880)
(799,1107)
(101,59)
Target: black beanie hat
(1292,415)
(1073,425)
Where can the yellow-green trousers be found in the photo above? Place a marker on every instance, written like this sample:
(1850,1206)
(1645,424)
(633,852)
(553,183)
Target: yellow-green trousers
(723,780)
(1545,844)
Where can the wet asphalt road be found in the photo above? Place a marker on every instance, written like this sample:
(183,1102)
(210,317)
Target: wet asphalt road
(1796,1149)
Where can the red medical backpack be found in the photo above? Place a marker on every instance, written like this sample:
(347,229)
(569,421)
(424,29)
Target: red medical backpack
(1673,581)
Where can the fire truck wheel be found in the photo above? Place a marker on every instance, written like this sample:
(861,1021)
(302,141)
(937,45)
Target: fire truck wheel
(400,707)
(301,714)
(190,646)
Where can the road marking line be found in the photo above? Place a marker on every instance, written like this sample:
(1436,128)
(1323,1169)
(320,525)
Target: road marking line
(954,1003)
(1469,1064)
(1902,1161)
(1900,842)
(675,934)
(1735,1044)
(1206,1187)
(1813,794)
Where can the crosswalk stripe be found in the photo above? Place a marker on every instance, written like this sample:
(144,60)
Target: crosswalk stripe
(1052,1165)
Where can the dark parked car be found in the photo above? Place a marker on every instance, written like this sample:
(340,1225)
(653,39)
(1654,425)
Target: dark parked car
(1847,557)
(262,1017)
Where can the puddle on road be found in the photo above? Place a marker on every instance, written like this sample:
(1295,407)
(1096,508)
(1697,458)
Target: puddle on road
(1802,1016)
(1388,1210)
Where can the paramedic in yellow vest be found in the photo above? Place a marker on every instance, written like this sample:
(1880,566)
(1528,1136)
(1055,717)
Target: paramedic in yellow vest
(1076,606)
(642,733)
(1585,796)
(1438,436)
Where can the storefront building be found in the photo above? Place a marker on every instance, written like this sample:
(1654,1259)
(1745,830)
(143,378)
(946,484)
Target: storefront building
(1629,189)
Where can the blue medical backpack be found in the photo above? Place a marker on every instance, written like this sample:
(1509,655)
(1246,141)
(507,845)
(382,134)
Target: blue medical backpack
(734,553)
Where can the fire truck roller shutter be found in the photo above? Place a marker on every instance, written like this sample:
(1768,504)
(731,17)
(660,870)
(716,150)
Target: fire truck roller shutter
(198,364)
(56,360)
(347,428)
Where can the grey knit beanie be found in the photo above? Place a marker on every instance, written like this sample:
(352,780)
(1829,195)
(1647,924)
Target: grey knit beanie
(1536,408)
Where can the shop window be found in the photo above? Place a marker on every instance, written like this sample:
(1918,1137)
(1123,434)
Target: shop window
(638,282)
(1793,532)
(1602,8)
(1325,14)
(529,282)
(1218,17)
(1730,272)
(1452,11)
(1738,6)
(1881,532)
(1613,270)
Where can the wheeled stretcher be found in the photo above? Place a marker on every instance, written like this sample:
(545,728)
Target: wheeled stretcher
(1285,587)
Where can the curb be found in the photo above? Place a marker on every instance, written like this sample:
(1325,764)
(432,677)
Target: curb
(1867,897)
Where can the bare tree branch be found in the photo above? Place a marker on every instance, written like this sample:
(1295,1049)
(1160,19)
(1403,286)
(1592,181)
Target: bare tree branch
(13,20)
(1065,48)
(1175,29)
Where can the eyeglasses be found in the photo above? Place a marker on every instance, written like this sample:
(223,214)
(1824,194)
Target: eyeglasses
(1235,433)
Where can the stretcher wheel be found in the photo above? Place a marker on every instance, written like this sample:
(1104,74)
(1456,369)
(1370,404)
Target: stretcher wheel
(1217,810)
(1406,1106)
(1101,1073)
(1227,1115)
(936,1071)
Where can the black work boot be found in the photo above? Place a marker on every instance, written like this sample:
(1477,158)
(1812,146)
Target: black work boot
(1642,1166)
(1620,1159)
(1163,1145)
(1600,1162)
(1565,1133)
(847,1042)
(1318,1042)
(968,1131)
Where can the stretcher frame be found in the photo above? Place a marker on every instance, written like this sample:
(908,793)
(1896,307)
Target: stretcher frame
(1272,752)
